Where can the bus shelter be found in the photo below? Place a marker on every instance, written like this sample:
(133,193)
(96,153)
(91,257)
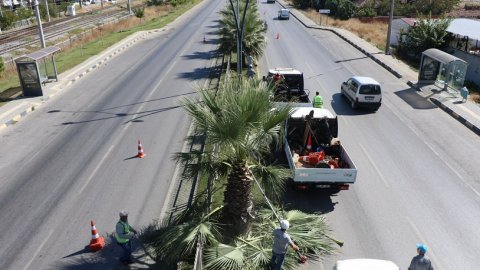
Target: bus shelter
(443,69)
(35,69)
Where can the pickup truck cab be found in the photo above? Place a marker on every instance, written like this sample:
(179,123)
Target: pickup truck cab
(362,92)
(288,85)
(284,14)
(365,264)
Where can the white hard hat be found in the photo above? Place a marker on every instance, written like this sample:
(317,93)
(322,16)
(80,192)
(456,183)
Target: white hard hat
(284,224)
(123,213)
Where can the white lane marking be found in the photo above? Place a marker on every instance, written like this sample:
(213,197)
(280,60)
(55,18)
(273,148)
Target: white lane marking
(424,241)
(96,169)
(374,166)
(38,249)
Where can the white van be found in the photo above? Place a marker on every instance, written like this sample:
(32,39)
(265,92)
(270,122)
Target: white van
(284,14)
(362,92)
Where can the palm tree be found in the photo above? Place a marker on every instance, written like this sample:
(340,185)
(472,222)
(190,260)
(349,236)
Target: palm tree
(243,122)
(254,32)
(253,251)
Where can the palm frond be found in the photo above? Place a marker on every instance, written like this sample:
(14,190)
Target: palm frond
(223,257)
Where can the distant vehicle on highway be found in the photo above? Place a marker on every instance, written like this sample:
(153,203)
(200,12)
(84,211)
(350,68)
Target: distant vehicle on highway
(362,92)
(365,264)
(284,14)
(270,1)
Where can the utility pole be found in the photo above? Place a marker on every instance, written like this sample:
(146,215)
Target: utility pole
(389,34)
(39,23)
(240,24)
(129,6)
(48,11)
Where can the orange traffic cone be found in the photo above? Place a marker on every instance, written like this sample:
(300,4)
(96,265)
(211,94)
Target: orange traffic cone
(97,241)
(140,154)
(309,142)
(278,36)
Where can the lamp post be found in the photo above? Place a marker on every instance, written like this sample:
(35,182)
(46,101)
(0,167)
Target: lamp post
(39,23)
(240,25)
(389,33)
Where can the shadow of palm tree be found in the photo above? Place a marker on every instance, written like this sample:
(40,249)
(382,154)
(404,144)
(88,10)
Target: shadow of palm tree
(197,74)
(201,55)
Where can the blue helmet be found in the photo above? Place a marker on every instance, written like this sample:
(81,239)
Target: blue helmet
(422,248)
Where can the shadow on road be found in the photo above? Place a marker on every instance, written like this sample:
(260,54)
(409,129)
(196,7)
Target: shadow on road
(202,55)
(318,201)
(412,98)
(108,258)
(341,106)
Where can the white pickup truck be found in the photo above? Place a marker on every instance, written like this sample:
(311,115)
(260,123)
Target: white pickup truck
(314,154)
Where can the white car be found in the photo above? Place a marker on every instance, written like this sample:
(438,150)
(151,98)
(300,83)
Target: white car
(284,14)
(362,92)
(365,264)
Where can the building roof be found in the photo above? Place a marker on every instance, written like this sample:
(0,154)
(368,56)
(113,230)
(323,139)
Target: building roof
(465,27)
(442,56)
(42,53)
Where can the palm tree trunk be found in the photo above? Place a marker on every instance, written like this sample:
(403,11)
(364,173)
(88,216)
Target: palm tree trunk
(237,198)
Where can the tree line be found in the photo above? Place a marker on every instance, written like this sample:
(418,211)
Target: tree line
(345,9)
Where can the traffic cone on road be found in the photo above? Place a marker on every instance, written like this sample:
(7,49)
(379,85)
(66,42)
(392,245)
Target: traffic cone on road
(309,142)
(140,154)
(97,241)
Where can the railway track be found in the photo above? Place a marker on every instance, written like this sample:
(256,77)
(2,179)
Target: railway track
(25,37)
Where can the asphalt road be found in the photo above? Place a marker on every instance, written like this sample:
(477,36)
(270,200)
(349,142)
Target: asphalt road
(73,160)
(418,177)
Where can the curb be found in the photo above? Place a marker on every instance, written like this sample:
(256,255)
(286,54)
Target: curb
(455,115)
(128,43)
(378,61)
(448,110)
(17,117)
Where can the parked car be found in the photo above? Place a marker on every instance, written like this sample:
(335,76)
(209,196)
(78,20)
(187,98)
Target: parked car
(365,264)
(284,14)
(362,92)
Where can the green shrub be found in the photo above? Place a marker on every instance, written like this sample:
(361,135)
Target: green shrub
(7,20)
(52,10)
(155,2)
(2,66)
(139,12)
(365,11)
(24,13)
(341,9)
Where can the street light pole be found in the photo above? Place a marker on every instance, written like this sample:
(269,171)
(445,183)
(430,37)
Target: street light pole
(389,33)
(39,23)
(240,25)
